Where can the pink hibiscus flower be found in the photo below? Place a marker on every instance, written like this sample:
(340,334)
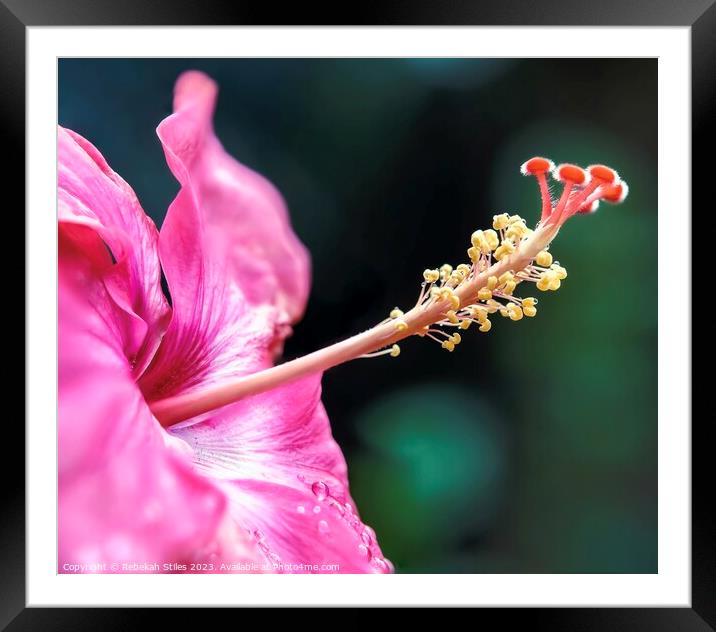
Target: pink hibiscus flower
(258,484)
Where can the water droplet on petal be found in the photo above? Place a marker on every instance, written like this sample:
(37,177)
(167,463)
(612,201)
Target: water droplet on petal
(320,490)
(317,509)
(323,526)
(366,537)
(364,551)
(301,509)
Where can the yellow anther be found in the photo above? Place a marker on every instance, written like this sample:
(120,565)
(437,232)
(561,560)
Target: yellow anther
(514,311)
(456,338)
(473,253)
(493,306)
(544,282)
(549,280)
(509,287)
(506,248)
(463,269)
(431,275)
(560,271)
(504,313)
(477,238)
(465,323)
(455,301)
(449,345)
(491,282)
(484,294)
(543,259)
(500,221)
(516,230)
(400,324)
(394,351)
(529,311)
(457,277)
(529,302)
(485,325)
(396,313)
(506,277)
(492,239)
(452,317)
(445,271)
(513,219)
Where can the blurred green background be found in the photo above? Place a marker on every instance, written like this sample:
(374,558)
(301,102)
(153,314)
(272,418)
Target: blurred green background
(531,449)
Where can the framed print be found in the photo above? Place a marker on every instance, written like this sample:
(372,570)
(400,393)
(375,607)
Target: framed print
(385,314)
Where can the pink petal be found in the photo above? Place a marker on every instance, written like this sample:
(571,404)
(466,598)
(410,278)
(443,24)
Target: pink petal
(90,194)
(286,479)
(237,273)
(127,491)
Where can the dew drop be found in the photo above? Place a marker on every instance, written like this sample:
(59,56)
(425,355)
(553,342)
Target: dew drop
(317,509)
(320,490)
(323,526)
(301,509)
(364,551)
(366,537)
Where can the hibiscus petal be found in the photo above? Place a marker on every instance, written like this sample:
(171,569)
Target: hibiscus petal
(90,194)
(286,480)
(127,491)
(237,273)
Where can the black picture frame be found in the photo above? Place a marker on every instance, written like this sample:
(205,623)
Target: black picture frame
(700,15)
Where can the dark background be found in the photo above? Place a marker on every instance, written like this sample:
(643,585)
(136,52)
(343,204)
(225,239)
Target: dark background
(531,449)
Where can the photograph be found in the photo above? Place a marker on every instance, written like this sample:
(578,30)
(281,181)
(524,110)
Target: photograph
(358,315)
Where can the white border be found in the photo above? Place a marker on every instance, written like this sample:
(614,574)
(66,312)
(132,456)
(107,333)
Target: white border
(670,587)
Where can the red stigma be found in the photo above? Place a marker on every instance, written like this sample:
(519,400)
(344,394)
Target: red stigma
(582,192)
(615,193)
(604,173)
(571,173)
(536,165)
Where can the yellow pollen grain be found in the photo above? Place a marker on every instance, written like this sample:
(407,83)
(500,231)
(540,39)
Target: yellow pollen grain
(543,259)
(400,324)
(501,221)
